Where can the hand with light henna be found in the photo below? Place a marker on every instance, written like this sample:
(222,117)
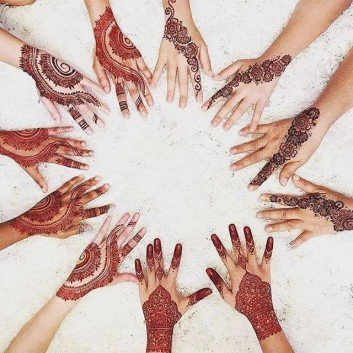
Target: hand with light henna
(317,212)
(97,267)
(60,214)
(249,291)
(32,147)
(183,51)
(118,58)
(162,304)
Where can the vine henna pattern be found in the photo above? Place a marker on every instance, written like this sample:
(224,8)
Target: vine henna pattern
(258,74)
(297,135)
(112,48)
(54,79)
(161,314)
(254,300)
(178,34)
(334,211)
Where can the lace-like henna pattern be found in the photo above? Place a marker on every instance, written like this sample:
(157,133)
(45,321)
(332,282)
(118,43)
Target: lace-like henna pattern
(176,257)
(161,314)
(219,246)
(237,245)
(139,273)
(254,300)
(178,34)
(111,41)
(24,139)
(297,135)
(43,68)
(158,257)
(258,73)
(321,206)
(268,250)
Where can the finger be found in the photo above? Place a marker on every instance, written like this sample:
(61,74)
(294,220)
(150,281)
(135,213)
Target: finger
(226,109)
(158,71)
(72,142)
(171,78)
(103,231)
(250,246)
(80,121)
(285,226)
(122,100)
(92,85)
(260,129)
(117,230)
(175,264)
(266,259)
(52,109)
(125,234)
(241,109)
(75,229)
(95,212)
(82,188)
(139,273)
(67,162)
(148,96)
(288,172)
(137,98)
(223,253)
(88,114)
(205,61)
(130,245)
(240,258)
(281,199)
(125,277)
(305,185)
(280,213)
(259,108)
(250,146)
(302,238)
(70,184)
(102,76)
(228,71)
(222,288)
(252,158)
(59,130)
(267,170)
(92,195)
(67,150)
(38,178)
(183,86)
(158,259)
(195,78)
(198,296)
(150,264)
(144,69)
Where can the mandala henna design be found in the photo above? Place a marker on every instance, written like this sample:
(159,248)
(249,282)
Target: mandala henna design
(297,135)
(258,74)
(161,314)
(45,69)
(219,246)
(24,139)
(178,34)
(254,300)
(334,211)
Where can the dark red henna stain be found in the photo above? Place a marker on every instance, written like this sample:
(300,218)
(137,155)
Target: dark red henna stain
(138,270)
(250,245)
(237,246)
(216,279)
(219,246)
(158,258)
(161,314)
(254,300)
(334,211)
(177,256)
(149,256)
(178,34)
(199,295)
(297,135)
(268,250)
(258,74)
(78,118)
(25,140)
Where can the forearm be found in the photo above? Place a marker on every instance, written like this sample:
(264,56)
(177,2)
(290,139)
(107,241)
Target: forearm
(159,340)
(309,20)
(277,343)
(36,335)
(10,48)
(96,8)
(9,235)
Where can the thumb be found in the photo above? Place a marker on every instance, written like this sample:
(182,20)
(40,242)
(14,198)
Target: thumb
(101,75)
(205,61)
(287,172)
(126,277)
(38,178)
(305,185)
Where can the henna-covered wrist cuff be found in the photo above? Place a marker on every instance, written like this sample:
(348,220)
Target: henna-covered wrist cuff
(159,340)
(265,324)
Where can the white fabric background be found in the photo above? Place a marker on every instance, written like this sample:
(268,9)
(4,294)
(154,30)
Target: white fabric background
(174,169)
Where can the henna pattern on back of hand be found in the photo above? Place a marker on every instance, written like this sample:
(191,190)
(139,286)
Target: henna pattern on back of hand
(254,300)
(259,73)
(297,135)
(334,211)
(178,34)
(161,314)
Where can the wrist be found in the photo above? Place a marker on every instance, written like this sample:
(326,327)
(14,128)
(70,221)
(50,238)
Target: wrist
(329,112)
(159,340)
(181,10)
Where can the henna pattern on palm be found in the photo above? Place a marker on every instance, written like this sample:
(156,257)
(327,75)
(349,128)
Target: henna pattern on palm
(334,211)
(259,73)
(254,300)
(161,314)
(297,135)
(178,34)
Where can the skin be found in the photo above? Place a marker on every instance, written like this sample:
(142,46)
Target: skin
(10,235)
(17,2)
(10,53)
(176,63)
(95,9)
(278,342)
(302,29)
(335,100)
(293,218)
(37,334)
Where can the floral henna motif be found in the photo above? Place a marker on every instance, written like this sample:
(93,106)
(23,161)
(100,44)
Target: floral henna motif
(258,73)
(219,246)
(161,314)
(176,257)
(254,300)
(158,257)
(321,206)
(24,139)
(178,34)
(45,69)
(250,245)
(297,135)
(237,245)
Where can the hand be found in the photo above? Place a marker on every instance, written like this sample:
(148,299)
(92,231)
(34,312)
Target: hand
(250,290)
(182,50)
(318,211)
(252,84)
(61,213)
(288,144)
(117,56)
(59,83)
(31,147)
(162,304)
(99,264)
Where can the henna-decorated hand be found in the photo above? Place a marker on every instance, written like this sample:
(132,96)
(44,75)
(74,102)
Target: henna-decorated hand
(99,264)
(59,83)
(251,83)
(117,57)
(183,51)
(162,304)
(287,144)
(31,147)
(317,212)
(249,291)
(61,213)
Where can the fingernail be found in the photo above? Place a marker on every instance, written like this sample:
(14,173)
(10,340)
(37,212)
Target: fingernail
(204,108)
(259,215)
(106,89)
(263,197)
(251,187)
(106,186)
(268,229)
(83,143)
(296,177)
(241,133)
(91,154)
(98,178)
(85,167)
